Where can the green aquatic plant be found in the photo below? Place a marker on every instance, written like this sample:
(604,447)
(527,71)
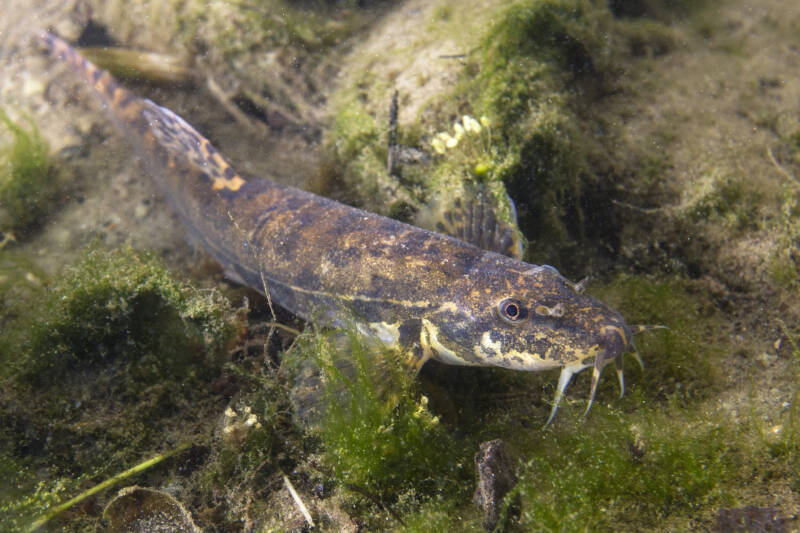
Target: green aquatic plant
(440,514)
(26,495)
(617,472)
(101,368)
(27,178)
(123,306)
(379,437)
(730,199)
(680,363)
(529,60)
(785,258)
(520,76)
(21,281)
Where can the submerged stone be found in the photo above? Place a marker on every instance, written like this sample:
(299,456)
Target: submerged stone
(496,476)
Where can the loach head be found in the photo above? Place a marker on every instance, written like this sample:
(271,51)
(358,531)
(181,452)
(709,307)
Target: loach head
(535,319)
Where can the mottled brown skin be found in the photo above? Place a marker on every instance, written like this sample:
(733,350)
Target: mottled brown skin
(425,293)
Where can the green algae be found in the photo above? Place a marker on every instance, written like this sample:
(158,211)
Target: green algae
(441,515)
(786,448)
(27,495)
(533,59)
(377,433)
(98,371)
(666,10)
(21,282)
(27,178)
(784,265)
(123,305)
(732,201)
(614,472)
(523,75)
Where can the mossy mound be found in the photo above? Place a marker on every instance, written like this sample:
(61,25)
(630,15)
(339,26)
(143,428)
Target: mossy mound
(100,371)
(528,75)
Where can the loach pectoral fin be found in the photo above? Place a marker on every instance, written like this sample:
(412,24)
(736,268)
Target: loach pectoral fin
(344,369)
(475,214)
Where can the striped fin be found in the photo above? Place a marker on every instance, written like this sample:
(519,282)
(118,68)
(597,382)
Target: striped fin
(152,123)
(178,137)
(122,102)
(472,213)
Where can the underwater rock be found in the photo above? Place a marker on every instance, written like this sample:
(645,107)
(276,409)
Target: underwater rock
(139,509)
(496,477)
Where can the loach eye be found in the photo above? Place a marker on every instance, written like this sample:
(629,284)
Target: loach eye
(512,310)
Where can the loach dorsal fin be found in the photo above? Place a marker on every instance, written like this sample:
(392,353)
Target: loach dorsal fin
(474,215)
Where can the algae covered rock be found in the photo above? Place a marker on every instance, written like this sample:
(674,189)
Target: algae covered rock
(99,369)
(517,67)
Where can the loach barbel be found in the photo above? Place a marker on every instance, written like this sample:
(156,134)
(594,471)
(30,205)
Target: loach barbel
(424,293)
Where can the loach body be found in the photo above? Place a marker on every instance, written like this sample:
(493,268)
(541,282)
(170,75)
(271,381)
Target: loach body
(427,294)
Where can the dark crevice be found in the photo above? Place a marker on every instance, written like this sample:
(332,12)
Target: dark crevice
(95,35)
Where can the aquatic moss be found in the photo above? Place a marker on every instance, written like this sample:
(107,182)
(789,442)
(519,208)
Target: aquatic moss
(124,305)
(784,267)
(531,59)
(521,75)
(681,363)
(27,178)
(106,360)
(357,144)
(785,450)
(241,464)
(25,495)
(378,436)
(621,473)
(275,24)
(666,10)
(727,199)
(441,515)
(21,282)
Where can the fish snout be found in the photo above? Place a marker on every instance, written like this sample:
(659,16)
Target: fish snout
(615,340)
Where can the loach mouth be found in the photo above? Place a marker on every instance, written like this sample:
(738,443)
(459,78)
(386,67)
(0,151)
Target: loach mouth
(616,339)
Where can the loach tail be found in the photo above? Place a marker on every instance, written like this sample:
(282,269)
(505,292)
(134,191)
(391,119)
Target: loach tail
(176,155)
(120,102)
